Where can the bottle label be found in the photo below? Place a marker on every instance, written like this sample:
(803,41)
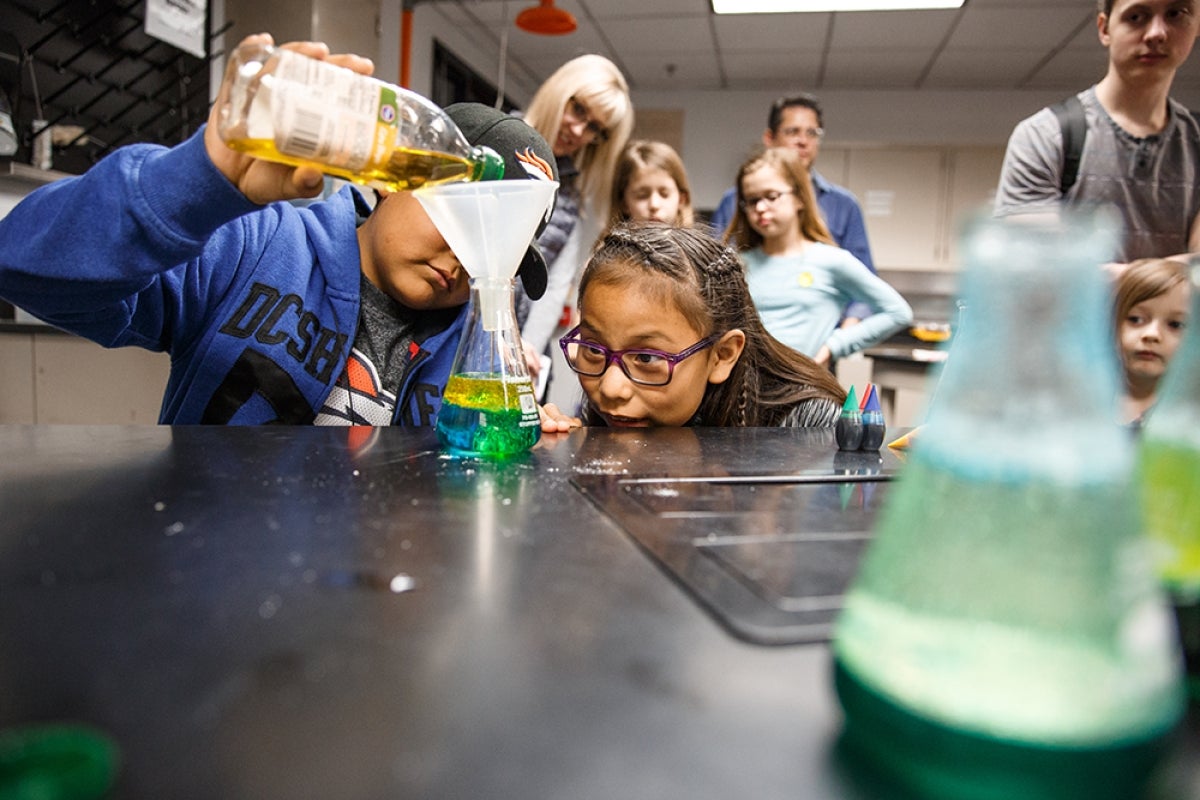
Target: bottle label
(331,115)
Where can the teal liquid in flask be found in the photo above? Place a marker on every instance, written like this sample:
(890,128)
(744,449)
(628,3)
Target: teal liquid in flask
(1005,636)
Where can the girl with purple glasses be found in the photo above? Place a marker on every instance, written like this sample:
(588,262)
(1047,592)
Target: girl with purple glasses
(668,336)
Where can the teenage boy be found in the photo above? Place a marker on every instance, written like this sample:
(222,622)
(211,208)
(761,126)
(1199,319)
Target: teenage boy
(331,313)
(1141,149)
(798,121)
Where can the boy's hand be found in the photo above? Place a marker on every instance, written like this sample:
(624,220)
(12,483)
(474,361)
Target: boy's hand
(263,181)
(554,421)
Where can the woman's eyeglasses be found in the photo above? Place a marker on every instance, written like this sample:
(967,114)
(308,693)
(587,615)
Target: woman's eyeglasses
(578,112)
(643,366)
(750,202)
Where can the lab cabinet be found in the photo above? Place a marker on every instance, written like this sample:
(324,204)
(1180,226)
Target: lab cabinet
(915,199)
(53,377)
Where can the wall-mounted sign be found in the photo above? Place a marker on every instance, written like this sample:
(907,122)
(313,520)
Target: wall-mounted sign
(178,22)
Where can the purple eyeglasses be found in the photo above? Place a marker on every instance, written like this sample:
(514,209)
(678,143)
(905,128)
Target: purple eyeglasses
(642,366)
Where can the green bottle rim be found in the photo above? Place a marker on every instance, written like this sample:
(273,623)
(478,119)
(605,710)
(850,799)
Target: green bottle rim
(489,166)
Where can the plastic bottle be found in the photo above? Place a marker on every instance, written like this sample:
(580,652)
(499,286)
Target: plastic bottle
(874,429)
(1169,467)
(286,107)
(1005,636)
(849,429)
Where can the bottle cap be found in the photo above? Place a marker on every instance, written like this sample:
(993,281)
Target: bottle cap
(488,164)
(850,407)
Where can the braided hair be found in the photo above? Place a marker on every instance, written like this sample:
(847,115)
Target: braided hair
(706,282)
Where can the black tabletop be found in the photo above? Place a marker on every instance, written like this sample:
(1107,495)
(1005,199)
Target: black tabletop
(333,613)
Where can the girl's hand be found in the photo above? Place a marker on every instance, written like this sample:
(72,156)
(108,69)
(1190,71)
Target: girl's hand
(823,356)
(554,421)
(263,181)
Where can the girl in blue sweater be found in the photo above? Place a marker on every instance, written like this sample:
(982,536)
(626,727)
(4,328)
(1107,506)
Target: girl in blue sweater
(800,280)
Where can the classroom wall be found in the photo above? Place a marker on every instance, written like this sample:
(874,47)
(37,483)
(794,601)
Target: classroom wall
(720,128)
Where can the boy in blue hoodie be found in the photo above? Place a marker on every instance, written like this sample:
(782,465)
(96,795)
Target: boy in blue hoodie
(331,313)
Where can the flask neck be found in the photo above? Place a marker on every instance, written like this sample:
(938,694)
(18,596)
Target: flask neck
(493,298)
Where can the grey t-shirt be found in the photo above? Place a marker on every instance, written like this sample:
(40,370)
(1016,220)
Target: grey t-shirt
(1153,181)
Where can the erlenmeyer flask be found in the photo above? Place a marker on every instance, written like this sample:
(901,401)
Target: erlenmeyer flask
(489,408)
(1170,480)
(1005,637)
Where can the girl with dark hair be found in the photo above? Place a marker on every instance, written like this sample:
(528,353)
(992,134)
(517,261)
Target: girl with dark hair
(668,336)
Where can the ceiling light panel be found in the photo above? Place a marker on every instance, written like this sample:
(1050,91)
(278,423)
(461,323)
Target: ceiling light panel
(795,6)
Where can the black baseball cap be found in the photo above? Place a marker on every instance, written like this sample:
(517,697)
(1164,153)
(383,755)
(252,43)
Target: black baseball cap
(526,156)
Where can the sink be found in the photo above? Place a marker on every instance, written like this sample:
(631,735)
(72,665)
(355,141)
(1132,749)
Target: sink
(768,556)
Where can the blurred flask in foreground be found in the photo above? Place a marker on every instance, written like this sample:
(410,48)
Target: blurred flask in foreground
(286,107)
(1170,479)
(1005,636)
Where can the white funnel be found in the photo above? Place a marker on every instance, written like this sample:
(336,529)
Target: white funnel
(489,224)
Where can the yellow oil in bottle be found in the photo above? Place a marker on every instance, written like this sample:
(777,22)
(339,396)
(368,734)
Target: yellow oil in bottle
(404,169)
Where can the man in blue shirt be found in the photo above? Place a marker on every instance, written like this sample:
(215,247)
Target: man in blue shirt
(797,121)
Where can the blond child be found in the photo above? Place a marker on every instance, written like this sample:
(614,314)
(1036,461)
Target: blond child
(1150,315)
(651,185)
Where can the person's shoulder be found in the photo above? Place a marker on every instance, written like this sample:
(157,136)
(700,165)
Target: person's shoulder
(1043,124)
(728,199)
(834,256)
(834,191)
(753,257)
(828,251)
(1186,116)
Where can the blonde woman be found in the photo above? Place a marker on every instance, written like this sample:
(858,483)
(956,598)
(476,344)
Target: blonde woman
(584,111)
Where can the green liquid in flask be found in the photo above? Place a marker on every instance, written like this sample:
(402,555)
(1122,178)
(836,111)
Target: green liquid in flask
(488,415)
(1170,479)
(1004,677)
(1170,476)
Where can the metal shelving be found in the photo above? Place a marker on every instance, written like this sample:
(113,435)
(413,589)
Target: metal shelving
(87,67)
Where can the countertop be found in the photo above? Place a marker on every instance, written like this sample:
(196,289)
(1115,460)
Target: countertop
(348,613)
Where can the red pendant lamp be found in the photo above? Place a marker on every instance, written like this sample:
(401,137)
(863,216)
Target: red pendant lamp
(546,20)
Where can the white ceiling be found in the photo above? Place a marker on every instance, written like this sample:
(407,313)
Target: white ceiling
(664,45)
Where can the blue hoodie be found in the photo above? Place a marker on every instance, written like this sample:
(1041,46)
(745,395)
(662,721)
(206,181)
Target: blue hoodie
(257,305)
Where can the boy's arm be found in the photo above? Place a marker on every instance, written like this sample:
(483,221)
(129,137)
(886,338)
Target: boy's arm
(78,252)
(81,248)
(891,311)
(1031,176)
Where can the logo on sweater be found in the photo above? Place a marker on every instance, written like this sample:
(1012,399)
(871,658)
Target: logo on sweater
(358,397)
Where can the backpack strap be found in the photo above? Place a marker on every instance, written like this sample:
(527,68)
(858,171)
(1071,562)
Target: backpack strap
(1074,131)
